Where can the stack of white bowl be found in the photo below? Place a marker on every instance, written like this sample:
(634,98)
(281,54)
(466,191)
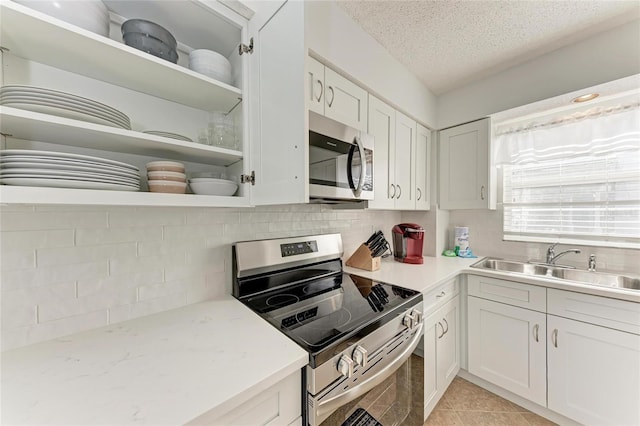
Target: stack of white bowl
(166,176)
(211,183)
(212,64)
(91,15)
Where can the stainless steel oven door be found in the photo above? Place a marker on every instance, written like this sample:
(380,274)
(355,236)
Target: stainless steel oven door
(382,361)
(340,161)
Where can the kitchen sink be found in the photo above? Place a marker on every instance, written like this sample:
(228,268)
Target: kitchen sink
(563,273)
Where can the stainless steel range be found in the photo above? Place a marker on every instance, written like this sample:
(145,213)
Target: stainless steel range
(358,332)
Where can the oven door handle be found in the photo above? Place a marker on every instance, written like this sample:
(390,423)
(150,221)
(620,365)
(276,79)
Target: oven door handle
(363,167)
(325,408)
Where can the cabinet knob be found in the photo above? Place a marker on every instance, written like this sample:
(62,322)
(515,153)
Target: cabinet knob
(447,324)
(554,337)
(442,327)
(419,191)
(392,196)
(399,192)
(536,328)
(321,90)
(482,192)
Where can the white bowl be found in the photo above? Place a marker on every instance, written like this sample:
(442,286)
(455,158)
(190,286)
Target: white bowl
(164,175)
(167,186)
(167,166)
(91,15)
(210,186)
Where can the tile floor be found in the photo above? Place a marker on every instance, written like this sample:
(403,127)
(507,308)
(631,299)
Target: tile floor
(467,404)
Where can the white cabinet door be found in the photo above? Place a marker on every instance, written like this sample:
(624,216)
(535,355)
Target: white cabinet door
(464,166)
(507,347)
(278,116)
(448,344)
(404,164)
(382,125)
(315,85)
(441,352)
(344,101)
(594,373)
(280,405)
(423,167)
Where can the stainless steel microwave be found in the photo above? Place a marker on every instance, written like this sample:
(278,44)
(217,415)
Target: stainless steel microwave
(340,161)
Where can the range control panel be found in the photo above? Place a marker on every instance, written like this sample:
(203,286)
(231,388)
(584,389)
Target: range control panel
(293,249)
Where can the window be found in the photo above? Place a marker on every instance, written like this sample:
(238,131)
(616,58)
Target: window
(574,178)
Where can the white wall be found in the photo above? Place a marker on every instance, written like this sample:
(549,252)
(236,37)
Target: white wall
(607,56)
(334,36)
(66,269)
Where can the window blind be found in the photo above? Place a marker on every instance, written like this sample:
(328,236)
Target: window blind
(585,197)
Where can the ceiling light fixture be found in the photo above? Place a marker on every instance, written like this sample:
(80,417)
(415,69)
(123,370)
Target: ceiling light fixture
(585,98)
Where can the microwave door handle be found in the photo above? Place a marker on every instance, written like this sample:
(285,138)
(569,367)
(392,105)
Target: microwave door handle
(350,171)
(363,166)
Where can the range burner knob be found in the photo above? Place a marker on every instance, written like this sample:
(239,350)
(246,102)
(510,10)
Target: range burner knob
(345,366)
(417,315)
(360,356)
(409,320)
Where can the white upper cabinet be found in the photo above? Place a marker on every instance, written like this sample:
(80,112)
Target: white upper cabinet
(160,95)
(464,153)
(405,164)
(423,168)
(278,115)
(333,96)
(382,126)
(401,159)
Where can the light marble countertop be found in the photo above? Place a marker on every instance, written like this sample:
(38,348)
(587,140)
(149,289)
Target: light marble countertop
(167,368)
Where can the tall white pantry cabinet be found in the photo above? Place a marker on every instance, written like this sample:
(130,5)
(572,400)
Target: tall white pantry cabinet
(43,51)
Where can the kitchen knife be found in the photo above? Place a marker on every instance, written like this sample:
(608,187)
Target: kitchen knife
(376,241)
(373,237)
(381,249)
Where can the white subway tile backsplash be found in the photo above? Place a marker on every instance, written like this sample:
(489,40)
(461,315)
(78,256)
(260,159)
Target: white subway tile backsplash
(16,279)
(71,255)
(27,221)
(86,237)
(31,240)
(96,264)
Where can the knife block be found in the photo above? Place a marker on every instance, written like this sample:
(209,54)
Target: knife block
(362,259)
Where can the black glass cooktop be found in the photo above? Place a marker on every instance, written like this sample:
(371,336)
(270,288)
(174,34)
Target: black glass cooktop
(320,313)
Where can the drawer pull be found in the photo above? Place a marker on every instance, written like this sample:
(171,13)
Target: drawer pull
(442,293)
(535,332)
(554,337)
(447,324)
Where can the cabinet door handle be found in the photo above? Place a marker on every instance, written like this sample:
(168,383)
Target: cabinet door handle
(554,337)
(394,191)
(447,324)
(330,102)
(399,191)
(419,193)
(536,328)
(442,327)
(442,293)
(482,192)
(321,90)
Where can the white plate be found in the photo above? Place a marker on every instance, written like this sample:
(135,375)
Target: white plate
(119,181)
(68,174)
(67,183)
(26,98)
(77,167)
(168,135)
(64,112)
(64,155)
(19,89)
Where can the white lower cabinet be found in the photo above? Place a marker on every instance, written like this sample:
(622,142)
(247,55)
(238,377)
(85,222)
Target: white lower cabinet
(593,358)
(441,348)
(507,347)
(280,405)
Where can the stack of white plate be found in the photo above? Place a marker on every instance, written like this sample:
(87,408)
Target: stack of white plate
(91,15)
(212,186)
(62,170)
(61,104)
(212,64)
(168,135)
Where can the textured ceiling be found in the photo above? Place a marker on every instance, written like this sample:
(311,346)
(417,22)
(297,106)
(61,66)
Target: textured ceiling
(450,43)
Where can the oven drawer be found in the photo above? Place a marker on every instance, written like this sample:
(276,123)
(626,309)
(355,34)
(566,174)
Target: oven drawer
(437,297)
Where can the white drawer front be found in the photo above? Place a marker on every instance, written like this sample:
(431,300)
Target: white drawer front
(618,314)
(509,292)
(440,295)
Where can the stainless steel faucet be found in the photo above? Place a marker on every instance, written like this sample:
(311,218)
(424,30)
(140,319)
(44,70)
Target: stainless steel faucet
(552,256)
(592,263)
